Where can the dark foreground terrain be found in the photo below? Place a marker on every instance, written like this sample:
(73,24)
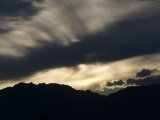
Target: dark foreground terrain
(61,102)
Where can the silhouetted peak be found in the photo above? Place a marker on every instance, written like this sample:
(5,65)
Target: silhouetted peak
(28,101)
(54,86)
(136,93)
(22,84)
(53,89)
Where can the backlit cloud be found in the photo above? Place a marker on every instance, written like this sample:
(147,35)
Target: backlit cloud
(76,38)
(90,76)
(59,22)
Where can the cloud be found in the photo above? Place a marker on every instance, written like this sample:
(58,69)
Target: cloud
(86,76)
(12,14)
(16,11)
(146,81)
(149,80)
(151,0)
(5,30)
(70,33)
(12,9)
(60,22)
(115,83)
(144,73)
(108,91)
(144,77)
(110,86)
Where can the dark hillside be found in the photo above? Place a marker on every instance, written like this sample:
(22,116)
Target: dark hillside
(61,102)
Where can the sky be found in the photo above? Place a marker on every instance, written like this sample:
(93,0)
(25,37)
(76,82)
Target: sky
(86,44)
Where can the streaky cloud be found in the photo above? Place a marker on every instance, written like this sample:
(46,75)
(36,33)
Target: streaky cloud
(69,33)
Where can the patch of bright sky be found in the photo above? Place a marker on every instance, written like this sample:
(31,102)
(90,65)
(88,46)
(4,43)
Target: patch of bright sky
(86,76)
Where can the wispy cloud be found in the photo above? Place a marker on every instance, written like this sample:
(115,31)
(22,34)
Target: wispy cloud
(59,22)
(60,35)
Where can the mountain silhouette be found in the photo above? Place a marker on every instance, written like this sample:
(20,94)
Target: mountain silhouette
(61,102)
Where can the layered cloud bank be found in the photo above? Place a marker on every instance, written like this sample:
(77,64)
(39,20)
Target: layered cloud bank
(71,35)
(143,78)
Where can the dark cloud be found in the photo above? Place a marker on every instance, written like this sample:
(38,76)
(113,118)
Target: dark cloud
(135,36)
(18,8)
(144,81)
(145,77)
(151,0)
(144,73)
(16,11)
(5,30)
(115,83)
(114,86)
